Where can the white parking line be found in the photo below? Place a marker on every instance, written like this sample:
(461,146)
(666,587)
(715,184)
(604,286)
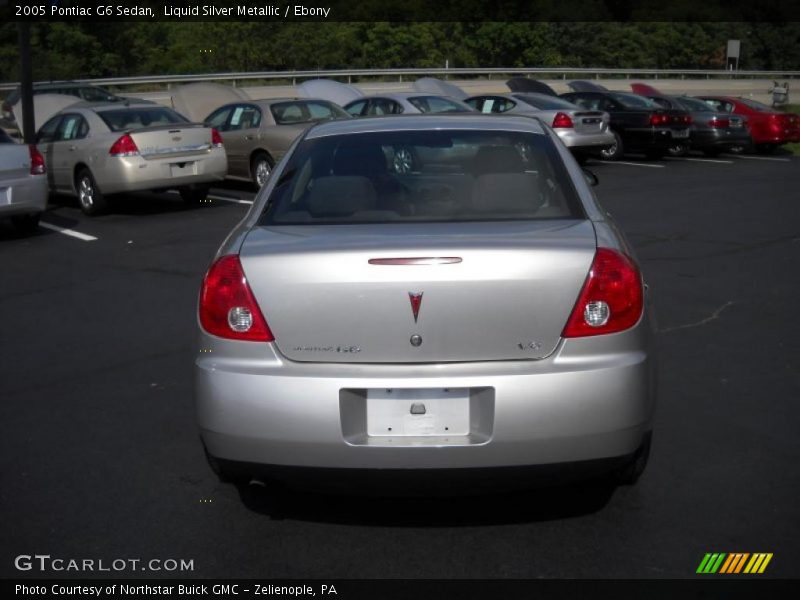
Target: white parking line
(711,160)
(633,164)
(765,158)
(69,232)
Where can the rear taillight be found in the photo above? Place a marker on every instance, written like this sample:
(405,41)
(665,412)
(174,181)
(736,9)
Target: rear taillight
(216,138)
(611,299)
(37,161)
(562,121)
(228,308)
(657,119)
(718,123)
(124,146)
(687,120)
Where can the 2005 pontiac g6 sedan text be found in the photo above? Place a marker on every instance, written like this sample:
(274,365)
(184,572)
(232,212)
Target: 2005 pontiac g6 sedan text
(478,311)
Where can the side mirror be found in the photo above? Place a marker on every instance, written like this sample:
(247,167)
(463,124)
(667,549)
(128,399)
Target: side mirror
(591,178)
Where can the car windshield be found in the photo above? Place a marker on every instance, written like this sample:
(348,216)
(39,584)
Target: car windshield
(694,105)
(422,176)
(136,117)
(634,101)
(436,104)
(546,102)
(5,138)
(756,105)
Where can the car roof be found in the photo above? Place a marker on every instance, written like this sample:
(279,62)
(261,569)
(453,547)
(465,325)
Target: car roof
(427,122)
(405,96)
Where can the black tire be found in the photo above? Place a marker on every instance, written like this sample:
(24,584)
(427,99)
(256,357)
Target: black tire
(630,473)
(615,151)
(260,168)
(26,224)
(90,199)
(194,194)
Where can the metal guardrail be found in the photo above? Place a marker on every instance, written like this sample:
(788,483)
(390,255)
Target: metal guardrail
(349,74)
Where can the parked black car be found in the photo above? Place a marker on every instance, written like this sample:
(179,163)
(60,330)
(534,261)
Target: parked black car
(638,124)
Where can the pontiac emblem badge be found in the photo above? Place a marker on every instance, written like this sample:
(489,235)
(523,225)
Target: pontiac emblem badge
(416,300)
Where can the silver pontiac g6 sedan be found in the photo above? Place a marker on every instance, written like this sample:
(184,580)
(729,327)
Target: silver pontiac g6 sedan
(481,311)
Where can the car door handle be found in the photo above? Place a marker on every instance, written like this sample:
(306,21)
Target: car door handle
(73,148)
(248,137)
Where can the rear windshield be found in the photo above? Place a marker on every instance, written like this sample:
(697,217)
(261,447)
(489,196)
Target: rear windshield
(634,101)
(423,176)
(5,138)
(694,105)
(546,102)
(286,113)
(437,104)
(135,118)
(756,105)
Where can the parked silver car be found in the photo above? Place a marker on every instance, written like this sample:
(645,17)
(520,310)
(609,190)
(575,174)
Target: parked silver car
(23,183)
(483,311)
(584,132)
(93,150)
(398,103)
(257,133)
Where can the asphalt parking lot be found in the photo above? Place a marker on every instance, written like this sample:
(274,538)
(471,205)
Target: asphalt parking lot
(101,459)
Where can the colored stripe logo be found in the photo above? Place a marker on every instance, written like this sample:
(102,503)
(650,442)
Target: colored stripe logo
(734,563)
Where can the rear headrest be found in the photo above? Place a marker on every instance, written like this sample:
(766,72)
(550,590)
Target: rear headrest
(516,193)
(359,159)
(341,196)
(498,159)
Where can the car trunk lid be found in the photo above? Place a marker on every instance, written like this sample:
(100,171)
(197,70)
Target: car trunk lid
(169,141)
(470,291)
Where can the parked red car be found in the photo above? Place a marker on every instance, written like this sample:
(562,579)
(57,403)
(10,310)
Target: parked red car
(769,128)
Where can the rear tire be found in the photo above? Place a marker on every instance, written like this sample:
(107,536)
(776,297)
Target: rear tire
(631,472)
(194,194)
(26,224)
(615,151)
(90,199)
(260,168)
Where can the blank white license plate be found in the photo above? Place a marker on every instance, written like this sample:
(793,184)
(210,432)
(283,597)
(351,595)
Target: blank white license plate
(418,412)
(680,133)
(181,169)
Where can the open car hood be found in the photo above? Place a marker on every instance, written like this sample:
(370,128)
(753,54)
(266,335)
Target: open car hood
(586,86)
(438,87)
(523,85)
(44,107)
(196,101)
(327,89)
(645,90)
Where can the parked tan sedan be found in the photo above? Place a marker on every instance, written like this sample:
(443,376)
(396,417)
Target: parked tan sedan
(258,133)
(92,150)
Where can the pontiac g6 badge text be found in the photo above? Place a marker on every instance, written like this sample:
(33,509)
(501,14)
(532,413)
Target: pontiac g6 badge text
(416,300)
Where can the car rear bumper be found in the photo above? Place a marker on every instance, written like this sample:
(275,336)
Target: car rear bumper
(134,173)
(23,195)
(592,399)
(719,138)
(587,143)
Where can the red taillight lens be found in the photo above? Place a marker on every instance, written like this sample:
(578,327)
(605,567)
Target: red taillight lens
(228,308)
(124,146)
(687,119)
(37,161)
(718,123)
(611,299)
(657,120)
(562,121)
(216,138)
